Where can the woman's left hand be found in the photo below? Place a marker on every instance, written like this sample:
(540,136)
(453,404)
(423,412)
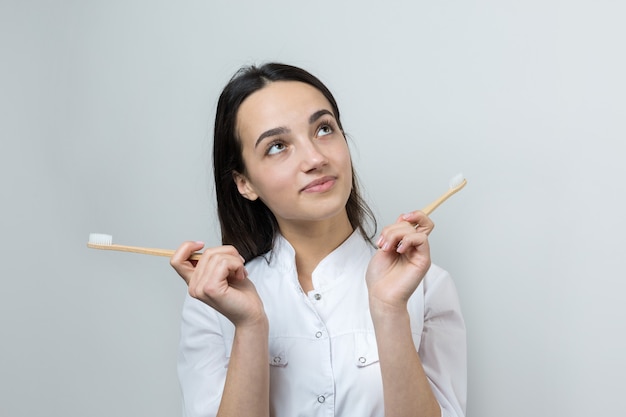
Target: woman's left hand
(401,262)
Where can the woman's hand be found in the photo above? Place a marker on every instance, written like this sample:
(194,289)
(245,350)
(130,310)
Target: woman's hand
(401,262)
(220,280)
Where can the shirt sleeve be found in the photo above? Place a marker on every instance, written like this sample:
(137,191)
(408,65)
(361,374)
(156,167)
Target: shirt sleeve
(443,346)
(202,359)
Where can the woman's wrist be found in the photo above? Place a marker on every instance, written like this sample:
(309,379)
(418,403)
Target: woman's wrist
(258,325)
(382,310)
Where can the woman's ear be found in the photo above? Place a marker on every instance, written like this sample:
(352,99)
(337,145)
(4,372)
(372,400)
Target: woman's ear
(244,186)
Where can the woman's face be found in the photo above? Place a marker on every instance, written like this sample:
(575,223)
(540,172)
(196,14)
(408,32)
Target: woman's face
(297,159)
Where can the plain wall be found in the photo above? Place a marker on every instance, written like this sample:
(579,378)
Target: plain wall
(106,110)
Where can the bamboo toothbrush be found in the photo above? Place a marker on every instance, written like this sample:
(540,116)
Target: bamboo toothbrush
(102,241)
(456,183)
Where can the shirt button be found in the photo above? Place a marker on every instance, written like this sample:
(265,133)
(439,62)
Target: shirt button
(318,334)
(277,359)
(321,399)
(362,359)
(318,297)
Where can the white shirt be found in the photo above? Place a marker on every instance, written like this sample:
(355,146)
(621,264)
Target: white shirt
(323,356)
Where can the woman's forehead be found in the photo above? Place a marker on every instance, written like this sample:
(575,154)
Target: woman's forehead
(279,104)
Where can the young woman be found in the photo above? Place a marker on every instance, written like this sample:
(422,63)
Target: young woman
(298,313)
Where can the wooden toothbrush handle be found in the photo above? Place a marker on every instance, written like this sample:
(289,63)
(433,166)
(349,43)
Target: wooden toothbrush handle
(432,206)
(146,251)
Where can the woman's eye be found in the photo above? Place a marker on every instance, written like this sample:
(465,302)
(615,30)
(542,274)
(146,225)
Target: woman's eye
(275,148)
(324,130)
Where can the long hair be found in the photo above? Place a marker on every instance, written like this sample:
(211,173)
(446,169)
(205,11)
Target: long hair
(248,225)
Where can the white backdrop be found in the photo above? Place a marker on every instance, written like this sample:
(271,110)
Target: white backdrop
(106,110)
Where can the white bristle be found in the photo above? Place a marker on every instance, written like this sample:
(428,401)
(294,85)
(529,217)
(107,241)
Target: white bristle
(456,180)
(100,239)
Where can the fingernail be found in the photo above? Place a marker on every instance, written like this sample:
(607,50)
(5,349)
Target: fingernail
(405,216)
(199,242)
(380,241)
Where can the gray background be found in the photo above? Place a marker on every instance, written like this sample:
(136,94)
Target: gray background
(106,111)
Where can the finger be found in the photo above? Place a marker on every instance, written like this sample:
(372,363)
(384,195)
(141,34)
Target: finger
(180,259)
(223,258)
(391,235)
(215,273)
(416,249)
(184,251)
(418,241)
(420,221)
(220,251)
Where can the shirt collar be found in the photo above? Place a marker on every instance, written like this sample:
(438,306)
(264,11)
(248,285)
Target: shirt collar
(353,252)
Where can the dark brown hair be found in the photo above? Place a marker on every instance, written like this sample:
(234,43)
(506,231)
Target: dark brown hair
(248,225)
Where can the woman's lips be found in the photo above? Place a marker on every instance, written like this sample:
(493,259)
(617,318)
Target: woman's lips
(320,185)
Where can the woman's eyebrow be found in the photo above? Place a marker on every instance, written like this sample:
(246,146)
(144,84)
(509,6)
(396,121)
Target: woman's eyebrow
(319,114)
(272,132)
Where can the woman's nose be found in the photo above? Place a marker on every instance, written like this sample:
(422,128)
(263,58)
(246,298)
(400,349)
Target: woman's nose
(312,156)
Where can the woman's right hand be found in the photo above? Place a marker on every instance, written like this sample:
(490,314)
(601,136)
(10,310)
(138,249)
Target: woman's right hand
(219,279)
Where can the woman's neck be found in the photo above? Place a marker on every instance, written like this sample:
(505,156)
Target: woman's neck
(313,241)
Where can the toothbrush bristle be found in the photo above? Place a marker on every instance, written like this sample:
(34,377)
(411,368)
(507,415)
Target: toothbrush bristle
(456,180)
(100,239)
